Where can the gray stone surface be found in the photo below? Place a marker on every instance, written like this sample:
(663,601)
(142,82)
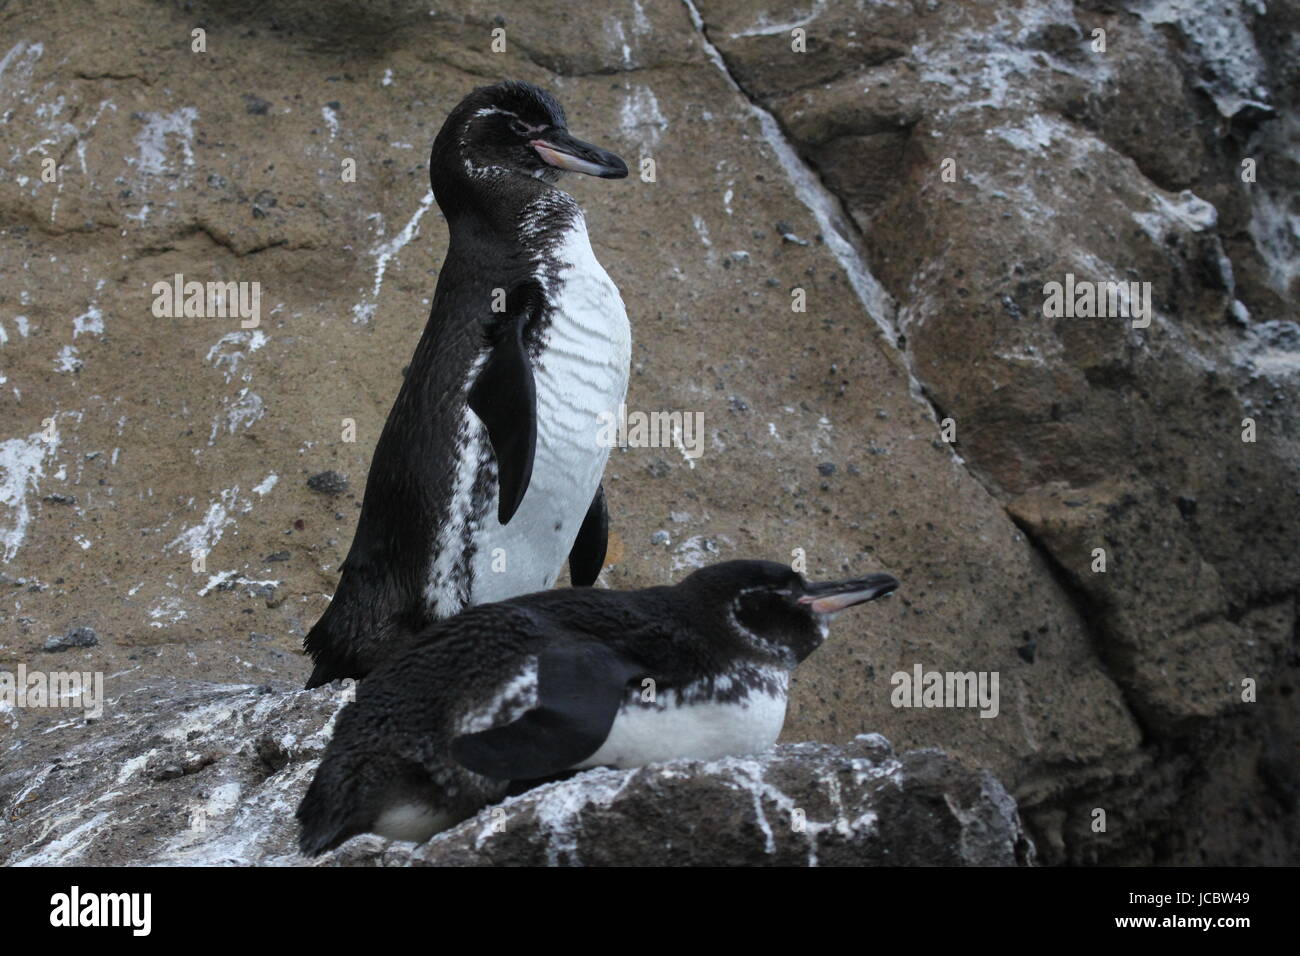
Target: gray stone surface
(200,774)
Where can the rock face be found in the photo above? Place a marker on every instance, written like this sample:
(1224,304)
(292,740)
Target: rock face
(195,774)
(1124,162)
(177,772)
(154,470)
(856,804)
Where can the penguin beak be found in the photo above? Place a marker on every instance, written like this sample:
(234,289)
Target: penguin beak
(834,596)
(557,148)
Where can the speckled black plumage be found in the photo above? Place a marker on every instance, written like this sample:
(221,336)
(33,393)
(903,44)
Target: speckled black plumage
(381,602)
(718,633)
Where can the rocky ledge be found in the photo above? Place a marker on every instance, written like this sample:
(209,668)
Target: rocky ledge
(210,774)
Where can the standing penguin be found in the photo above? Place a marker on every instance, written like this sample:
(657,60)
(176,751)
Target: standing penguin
(562,680)
(487,473)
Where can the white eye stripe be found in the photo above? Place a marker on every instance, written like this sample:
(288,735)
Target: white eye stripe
(497,111)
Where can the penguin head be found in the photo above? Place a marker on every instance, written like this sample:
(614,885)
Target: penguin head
(515,128)
(772,609)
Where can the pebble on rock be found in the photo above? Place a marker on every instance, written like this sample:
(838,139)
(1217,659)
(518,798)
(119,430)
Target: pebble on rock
(75,637)
(328,483)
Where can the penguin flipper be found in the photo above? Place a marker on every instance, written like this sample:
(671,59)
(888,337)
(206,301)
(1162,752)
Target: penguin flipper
(587,556)
(580,687)
(504,397)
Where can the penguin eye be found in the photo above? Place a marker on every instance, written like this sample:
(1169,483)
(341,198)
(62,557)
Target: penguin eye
(520,128)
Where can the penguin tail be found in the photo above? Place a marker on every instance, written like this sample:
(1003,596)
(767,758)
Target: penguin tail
(326,670)
(365,791)
(329,649)
(330,812)
(345,643)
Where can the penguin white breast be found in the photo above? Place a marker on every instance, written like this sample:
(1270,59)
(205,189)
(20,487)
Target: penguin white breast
(581,379)
(694,724)
(414,822)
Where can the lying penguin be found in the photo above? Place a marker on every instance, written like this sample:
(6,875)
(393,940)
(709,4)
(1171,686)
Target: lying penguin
(562,680)
(487,473)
